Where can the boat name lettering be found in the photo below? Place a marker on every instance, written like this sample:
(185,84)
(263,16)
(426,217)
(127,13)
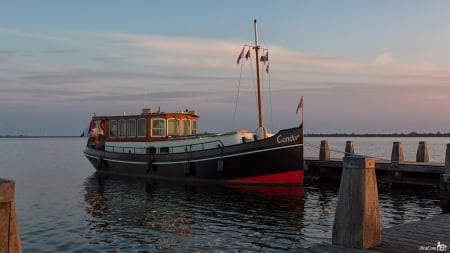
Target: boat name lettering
(285,139)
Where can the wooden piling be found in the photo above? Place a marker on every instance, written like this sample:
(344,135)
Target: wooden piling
(445,178)
(397,152)
(9,228)
(357,221)
(324,154)
(349,148)
(422,152)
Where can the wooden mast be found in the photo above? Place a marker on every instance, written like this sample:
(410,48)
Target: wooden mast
(258,81)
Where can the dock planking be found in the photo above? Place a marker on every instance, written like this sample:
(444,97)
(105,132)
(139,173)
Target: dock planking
(396,170)
(381,166)
(409,173)
(430,235)
(416,236)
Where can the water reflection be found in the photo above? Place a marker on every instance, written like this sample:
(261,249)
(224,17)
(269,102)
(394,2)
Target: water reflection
(404,203)
(127,214)
(133,214)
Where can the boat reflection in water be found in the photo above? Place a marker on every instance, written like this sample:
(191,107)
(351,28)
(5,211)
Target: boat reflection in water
(147,215)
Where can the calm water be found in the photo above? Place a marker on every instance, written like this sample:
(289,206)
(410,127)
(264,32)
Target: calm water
(63,206)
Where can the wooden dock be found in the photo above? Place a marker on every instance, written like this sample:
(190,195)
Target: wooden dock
(417,173)
(357,223)
(396,170)
(9,227)
(417,236)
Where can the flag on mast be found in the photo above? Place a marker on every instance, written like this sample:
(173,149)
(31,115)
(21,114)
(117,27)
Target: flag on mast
(247,55)
(240,55)
(300,105)
(264,58)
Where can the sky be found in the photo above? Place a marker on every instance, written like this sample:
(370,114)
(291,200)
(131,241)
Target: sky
(361,66)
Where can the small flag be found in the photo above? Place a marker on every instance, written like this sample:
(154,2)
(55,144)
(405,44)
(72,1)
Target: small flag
(87,130)
(247,55)
(264,58)
(92,125)
(300,105)
(240,55)
(267,68)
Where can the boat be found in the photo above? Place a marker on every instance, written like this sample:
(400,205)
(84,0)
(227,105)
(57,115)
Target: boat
(167,145)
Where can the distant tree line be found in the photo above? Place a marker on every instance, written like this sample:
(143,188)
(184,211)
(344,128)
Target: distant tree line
(411,134)
(35,136)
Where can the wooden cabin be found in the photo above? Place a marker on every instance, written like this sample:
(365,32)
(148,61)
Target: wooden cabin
(146,127)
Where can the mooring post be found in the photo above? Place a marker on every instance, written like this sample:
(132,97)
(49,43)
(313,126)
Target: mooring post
(357,222)
(324,154)
(9,228)
(397,152)
(445,178)
(349,148)
(422,152)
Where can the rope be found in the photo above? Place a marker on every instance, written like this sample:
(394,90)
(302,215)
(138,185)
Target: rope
(237,97)
(345,153)
(255,89)
(270,102)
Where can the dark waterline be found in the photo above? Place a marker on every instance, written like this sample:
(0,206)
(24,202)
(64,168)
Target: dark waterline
(63,206)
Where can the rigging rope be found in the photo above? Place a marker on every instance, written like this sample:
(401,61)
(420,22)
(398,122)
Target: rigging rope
(343,152)
(237,97)
(255,92)
(270,103)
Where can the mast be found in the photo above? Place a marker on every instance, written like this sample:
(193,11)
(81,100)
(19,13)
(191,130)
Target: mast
(258,82)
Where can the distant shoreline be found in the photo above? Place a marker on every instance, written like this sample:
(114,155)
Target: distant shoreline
(37,136)
(412,134)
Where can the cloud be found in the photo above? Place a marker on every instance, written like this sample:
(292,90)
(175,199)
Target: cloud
(138,63)
(63,51)
(207,54)
(39,36)
(7,52)
(384,59)
(212,54)
(172,54)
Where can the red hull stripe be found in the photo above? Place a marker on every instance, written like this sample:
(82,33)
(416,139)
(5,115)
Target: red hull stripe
(285,177)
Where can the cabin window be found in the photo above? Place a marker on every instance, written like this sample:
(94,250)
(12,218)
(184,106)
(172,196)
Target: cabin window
(158,127)
(142,127)
(186,127)
(96,128)
(121,128)
(194,126)
(164,150)
(113,128)
(151,150)
(131,128)
(172,127)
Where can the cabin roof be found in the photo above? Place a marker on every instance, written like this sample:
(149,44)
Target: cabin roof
(149,112)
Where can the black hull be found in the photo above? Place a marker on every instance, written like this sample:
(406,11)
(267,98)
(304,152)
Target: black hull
(278,159)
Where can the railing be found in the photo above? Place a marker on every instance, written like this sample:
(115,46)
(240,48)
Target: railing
(170,149)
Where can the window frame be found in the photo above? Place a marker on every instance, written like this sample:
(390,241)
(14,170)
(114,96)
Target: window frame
(163,132)
(194,126)
(112,129)
(121,128)
(133,135)
(176,131)
(183,126)
(138,133)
